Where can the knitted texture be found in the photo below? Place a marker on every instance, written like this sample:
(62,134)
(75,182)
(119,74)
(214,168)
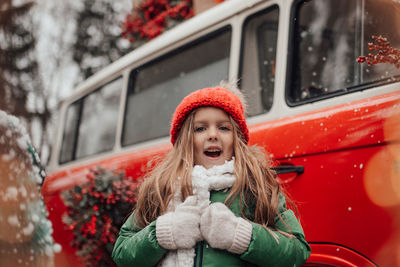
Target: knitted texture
(223,230)
(242,237)
(181,228)
(218,97)
(164,231)
(203,180)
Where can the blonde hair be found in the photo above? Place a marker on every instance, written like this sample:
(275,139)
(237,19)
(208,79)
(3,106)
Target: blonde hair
(255,181)
(159,187)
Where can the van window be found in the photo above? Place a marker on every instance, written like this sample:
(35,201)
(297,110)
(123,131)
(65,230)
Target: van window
(158,87)
(328,37)
(257,69)
(91,123)
(381,17)
(70,130)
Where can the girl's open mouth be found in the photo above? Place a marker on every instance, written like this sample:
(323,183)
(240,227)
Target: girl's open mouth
(213,153)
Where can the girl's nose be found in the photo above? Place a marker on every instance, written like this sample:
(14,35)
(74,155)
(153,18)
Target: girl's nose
(212,133)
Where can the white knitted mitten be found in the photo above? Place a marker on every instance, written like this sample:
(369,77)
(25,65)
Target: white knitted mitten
(223,230)
(180,229)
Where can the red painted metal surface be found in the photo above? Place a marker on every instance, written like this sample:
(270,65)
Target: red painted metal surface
(134,164)
(338,256)
(349,191)
(348,195)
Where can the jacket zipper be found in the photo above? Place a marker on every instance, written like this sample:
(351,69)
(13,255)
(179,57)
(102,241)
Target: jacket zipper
(198,255)
(201,253)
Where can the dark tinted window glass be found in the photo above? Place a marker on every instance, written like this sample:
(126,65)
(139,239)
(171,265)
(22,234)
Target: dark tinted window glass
(91,123)
(70,129)
(328,38)
(98,124)
(258,60)
(157,88)
(381,18)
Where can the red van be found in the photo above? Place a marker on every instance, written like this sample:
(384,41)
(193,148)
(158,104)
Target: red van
(331,124)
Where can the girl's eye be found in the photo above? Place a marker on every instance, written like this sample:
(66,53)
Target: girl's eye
(199,129)
(224,128)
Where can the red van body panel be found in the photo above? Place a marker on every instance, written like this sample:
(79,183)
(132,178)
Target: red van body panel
(333,255)
(134,164)
(348,196)
(349,191)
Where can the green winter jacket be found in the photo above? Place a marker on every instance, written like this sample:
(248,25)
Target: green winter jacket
(139,247)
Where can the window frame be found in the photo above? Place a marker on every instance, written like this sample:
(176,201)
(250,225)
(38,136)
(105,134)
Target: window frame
(290,67)
(80,100)
(248,17)
(225,28)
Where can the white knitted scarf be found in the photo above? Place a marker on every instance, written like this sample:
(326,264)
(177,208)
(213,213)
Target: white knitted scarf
(203,180)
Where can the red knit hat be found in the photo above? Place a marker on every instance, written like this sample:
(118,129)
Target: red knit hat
(218,97)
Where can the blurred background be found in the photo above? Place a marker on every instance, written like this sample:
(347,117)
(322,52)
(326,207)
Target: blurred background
(46,48)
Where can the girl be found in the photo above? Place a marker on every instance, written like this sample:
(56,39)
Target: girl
(213,200)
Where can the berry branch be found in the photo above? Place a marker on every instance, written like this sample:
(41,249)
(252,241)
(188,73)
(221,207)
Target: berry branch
(152,17)
(385,53)
(96,211)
